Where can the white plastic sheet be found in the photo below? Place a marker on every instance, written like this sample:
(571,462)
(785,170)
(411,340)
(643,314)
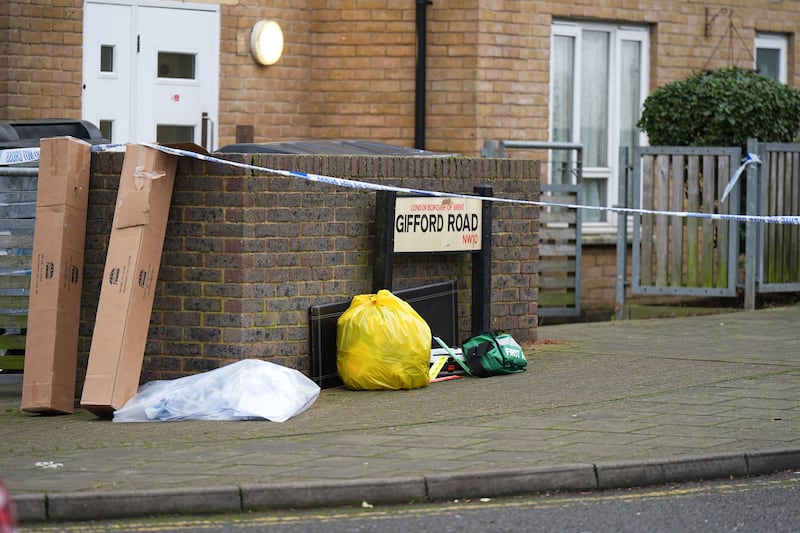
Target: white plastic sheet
(246,390)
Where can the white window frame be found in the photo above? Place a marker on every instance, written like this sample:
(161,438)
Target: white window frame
(610,173)
(773,41)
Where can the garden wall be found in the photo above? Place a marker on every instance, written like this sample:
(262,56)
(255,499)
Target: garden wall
(247,253)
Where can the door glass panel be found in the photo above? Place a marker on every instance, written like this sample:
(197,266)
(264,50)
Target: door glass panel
(106,129)
(175,65)
(167,133)
(106,58)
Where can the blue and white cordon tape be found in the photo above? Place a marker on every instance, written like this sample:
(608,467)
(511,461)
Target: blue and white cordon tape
(25,155)
(751,159)
(15,156)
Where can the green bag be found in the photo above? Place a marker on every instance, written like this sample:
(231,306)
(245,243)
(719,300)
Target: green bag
(489,354)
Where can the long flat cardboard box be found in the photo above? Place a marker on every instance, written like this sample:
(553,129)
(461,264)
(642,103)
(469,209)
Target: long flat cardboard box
(54,305)
(129,279)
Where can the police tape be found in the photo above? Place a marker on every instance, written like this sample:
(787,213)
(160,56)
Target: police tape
(750,159)
(16,156)
(343,182)
(19,155)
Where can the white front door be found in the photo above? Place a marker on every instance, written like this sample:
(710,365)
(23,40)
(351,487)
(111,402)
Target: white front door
(151,70)
(108,48)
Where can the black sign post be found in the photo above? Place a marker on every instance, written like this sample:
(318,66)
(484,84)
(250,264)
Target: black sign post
(383,264)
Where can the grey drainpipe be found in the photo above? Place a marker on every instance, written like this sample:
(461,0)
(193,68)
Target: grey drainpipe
(419,101)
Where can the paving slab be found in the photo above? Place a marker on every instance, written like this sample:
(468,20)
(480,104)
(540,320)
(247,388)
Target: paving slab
(602,404)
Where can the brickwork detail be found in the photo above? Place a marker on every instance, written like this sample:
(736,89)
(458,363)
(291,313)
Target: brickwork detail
(40,59)
(348,69)
(348,72)
(245,255)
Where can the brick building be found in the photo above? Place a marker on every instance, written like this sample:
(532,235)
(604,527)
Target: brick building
(494,69)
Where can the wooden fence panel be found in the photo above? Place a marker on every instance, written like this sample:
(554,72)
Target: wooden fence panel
(794,230)
(693,238)
(674,253)
(647,220)
(723,259)
(699,255)
(662,222)
(676,224)
(708,193)
(782,241)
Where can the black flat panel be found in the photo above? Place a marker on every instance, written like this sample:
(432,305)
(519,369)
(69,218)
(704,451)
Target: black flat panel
(437,304)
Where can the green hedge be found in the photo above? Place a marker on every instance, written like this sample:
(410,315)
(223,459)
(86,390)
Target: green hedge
(724,107)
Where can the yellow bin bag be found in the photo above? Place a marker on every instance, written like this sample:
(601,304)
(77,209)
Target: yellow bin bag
(382,343)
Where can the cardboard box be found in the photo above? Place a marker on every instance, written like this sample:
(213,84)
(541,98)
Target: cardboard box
(54,305)
(129,279)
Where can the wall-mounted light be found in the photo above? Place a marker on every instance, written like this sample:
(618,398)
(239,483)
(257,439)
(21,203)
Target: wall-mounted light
(266,42)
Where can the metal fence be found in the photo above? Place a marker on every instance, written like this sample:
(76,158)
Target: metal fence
(559,265)
(700,256)
(777,186)
(18,186)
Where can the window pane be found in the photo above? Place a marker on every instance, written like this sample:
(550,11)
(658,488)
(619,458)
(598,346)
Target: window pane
(768,63)
(598,81)
(630,96)
(563,103)
(175,65)
(594,97)
(594,116)
(594,193)
(106,58)
(166,133)
(630,76)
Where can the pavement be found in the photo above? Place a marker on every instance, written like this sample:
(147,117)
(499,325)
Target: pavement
(602,405)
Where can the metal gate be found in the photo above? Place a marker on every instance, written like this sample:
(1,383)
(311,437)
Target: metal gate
(678,255)
(775,248)
(559,265)
(17,215)
(698,256)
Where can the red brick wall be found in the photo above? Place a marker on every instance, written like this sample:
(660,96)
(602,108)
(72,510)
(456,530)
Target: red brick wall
(348,66)
(274,100)
(362,70)
(40,59)
(488,62)
(598,284)
(598,278)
